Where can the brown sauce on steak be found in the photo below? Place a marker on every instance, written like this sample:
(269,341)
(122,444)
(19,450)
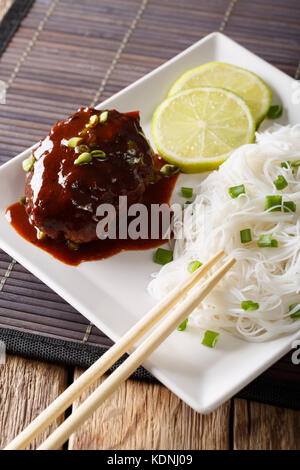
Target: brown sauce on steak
(62,197)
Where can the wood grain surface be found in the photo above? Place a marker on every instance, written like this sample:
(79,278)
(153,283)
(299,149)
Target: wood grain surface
(141,416)
(26,388)
(148,416)
(264,427)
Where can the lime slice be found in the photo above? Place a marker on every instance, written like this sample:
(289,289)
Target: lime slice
(246,84)
(199,128)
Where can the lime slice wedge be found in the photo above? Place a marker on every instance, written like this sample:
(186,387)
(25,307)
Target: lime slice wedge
(246,84)
(199,128)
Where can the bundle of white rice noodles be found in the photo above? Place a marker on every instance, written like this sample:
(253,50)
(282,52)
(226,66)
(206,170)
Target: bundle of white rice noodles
(268,276)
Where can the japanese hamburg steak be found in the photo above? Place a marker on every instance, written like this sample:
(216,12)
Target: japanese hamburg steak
(88,159)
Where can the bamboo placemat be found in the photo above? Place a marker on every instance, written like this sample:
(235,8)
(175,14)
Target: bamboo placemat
(69,53)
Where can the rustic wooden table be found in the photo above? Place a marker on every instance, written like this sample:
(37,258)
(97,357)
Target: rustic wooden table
(139,415)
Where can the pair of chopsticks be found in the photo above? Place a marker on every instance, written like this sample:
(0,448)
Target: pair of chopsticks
(155,338)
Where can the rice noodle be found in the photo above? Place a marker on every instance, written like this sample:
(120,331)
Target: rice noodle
(269,276)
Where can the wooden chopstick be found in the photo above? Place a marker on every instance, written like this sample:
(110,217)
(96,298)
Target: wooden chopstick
(109,358)
(167,326)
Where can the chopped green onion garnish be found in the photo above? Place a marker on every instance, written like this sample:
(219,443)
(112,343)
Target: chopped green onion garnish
(285,165)
(135,161)
(22,200)
(73,245)
(296,314)
(193,265)
(84,131)
(273,203)
(235,191)
(74,141)
(183,325)
(246,236)
(84,157)
(41,235)
(94,119)
(289,206)
(103,116)
(188,202)
(280,182)
(187,192)
(249,305)
(275,111)
(266,241)
(210,338)
(296,163)
(131,144)
(169,170)
(163,256)
(98,154)
(28,163)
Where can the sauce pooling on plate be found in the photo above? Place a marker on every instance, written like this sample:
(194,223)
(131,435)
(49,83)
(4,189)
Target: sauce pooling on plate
(89,159)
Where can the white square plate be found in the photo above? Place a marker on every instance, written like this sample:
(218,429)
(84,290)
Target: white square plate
(112,293)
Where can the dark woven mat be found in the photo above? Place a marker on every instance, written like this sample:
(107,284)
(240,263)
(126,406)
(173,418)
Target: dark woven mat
(69,53)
